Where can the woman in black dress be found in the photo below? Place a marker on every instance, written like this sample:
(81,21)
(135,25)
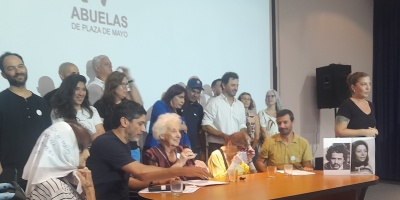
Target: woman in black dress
(356,115)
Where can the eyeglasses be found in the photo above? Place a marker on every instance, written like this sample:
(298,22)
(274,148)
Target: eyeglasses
(241,148)
(124,85)
(270,96)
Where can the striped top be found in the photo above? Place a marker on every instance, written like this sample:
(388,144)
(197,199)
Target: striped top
(54,189)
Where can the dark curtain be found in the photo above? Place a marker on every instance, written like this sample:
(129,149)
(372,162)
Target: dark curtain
(386,87)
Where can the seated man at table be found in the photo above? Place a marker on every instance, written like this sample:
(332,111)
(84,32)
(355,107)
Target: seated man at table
(110,158)
(285,147)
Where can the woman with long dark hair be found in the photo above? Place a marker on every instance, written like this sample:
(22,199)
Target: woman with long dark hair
(172,100)
(359,158)
(71,102)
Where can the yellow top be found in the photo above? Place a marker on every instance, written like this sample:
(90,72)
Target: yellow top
(217,167)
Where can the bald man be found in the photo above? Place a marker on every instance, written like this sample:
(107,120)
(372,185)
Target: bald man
(64,70)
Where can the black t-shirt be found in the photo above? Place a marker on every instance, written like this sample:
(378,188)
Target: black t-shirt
(358,119)
(105,113)
(21,123)
(108,155)
(193,115)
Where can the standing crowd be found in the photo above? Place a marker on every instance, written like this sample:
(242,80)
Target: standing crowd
(76,141)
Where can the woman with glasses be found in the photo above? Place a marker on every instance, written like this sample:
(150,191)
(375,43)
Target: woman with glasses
(236,154)
(267,116)
(115,91)
(252,121)
(71,102)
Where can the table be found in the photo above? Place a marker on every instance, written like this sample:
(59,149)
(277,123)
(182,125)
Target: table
(259,186)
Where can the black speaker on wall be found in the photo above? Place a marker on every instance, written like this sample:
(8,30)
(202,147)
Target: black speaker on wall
(332,87)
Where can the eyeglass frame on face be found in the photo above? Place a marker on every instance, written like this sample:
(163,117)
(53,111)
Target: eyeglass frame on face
(242,149)
(124,85)
(270,96)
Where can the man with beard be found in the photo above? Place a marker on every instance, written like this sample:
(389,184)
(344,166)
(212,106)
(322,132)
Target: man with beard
(110,159)
(23,117)
(224,115)
(337,155)
(285,147)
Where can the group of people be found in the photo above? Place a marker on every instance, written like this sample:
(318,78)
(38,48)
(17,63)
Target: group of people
(47,142)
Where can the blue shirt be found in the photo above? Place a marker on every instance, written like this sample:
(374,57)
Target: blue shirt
(159,108)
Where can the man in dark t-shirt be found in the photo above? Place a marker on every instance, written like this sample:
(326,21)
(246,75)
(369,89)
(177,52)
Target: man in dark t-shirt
(23,117)
(110,160)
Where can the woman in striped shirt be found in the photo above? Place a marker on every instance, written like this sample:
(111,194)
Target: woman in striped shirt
(56,168)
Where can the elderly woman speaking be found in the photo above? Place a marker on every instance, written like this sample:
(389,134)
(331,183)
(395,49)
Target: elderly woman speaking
(168,153)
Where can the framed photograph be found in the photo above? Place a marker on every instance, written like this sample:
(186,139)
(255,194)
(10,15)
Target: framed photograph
(344,156)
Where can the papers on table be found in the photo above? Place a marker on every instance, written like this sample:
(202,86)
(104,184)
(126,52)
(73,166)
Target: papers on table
(298,172)
(188,189)
(203,182)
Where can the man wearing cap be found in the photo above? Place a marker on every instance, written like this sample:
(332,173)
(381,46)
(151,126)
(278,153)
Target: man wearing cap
(193,112)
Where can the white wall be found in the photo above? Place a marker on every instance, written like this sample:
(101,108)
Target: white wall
(315,33)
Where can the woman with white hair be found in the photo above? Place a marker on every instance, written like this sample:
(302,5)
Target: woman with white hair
(267,116)
(169,153)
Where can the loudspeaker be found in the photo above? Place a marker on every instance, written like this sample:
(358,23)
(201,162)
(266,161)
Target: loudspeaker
(332,87)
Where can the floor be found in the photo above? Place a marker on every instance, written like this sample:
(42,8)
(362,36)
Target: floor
(384,190)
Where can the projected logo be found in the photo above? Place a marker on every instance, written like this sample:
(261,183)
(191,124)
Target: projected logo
(94,21)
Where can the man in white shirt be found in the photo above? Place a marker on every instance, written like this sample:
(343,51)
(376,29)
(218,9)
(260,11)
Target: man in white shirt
(102,67)
(224,115)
